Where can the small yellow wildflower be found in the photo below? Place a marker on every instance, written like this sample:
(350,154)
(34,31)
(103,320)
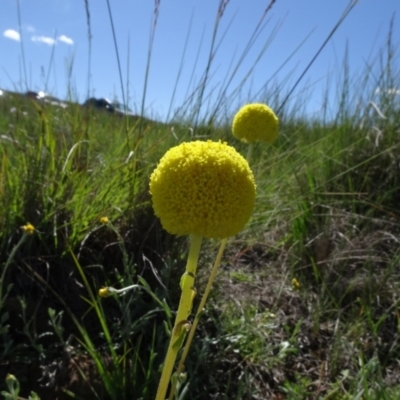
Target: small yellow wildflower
(104,292)
(296,284)
(203,188)
(28,228)
(104,220)
(255,123)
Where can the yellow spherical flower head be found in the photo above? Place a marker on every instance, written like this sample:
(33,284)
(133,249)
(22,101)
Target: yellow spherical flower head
(203,188)
(255,123)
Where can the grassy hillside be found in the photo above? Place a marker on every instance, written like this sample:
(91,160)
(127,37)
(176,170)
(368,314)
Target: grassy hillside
(305,304)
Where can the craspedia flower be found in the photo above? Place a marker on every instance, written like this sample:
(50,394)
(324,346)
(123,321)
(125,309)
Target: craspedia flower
(203,188)
(255,123)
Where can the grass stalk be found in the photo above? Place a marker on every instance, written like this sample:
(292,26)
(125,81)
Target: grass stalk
(116,53)
(8,263)
(89,36)
(346,12)
(22,44)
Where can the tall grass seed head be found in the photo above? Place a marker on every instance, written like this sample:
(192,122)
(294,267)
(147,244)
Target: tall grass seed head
(203,188)
(255,123)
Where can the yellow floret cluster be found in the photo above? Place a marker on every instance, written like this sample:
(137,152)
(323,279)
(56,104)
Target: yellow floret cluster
(255,123)
(28,228)
(203,188)
(104,292)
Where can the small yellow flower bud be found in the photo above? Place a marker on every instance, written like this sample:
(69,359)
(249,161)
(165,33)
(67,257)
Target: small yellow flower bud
(10,378)
(104,220)
(104,292)
(28,228)
(296,284)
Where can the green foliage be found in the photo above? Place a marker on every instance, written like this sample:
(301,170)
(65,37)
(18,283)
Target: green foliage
(247,332)
(13,389)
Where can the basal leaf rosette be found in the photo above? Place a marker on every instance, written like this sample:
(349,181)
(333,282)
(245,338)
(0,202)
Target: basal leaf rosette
(255,123)
(203,188)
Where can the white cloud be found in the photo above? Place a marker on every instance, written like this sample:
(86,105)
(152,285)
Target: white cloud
(14,35)
(43,39)
(11,34)
(66,39)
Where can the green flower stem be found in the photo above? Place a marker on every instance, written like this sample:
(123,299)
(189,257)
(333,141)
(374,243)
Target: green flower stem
(181,323)
(198,313)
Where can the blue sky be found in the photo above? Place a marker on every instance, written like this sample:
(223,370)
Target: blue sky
(54,37)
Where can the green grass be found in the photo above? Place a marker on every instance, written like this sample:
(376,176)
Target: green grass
(326,214)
